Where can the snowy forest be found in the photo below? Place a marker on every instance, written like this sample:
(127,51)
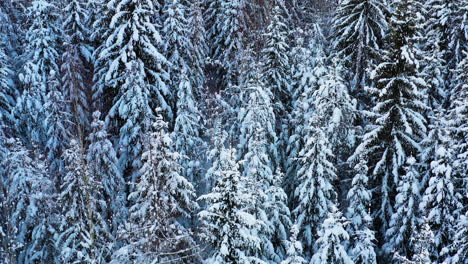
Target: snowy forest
(233,131)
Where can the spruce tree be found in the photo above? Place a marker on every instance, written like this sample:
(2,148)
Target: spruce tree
(441,202)
(294,248)
(361,248)
(398,124)
(407,217)
(103,166)
(161,199)
(82,230)
(329,245)
(7,91)
(228,223)
(315,193)
(460,244)
(359,29)
(200,46)
(187,131)
(75,61)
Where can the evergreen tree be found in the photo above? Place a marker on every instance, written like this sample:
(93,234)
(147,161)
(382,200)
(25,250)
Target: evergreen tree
(56,126)
(334,106)
(103,166)
(200,46)
(161,198)
(406,218)
(132,106)
(440,201)
(75,59)
(329,245)
(315,193)
(422,240)
(82,230)
(41,62)
(229,224)
(460,244)
(25,194)
(359,29)
(362,237)
(7,91)
(187,130)
(136,74)
(397,121)
(294,249)
(225,26)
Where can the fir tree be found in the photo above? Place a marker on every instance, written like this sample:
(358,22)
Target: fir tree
(398,124)
(460,241)
(315,193)
(359,29)
(161,198)
(294,248)
(406,218)
(200,46)
(440,201)
(422,240)
(103,166)
(187,130)
(75,60)
(229,225)
(82,230)
(225,26)
(362,248)
(329,245)
(7,91)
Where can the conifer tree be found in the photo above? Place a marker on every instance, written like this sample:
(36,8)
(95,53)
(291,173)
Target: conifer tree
(200,46)
(294,248)
(315,194)
(56,126)
(187,129)
(229,224)
(7,91)
(460,244)
(398,124)
(422,240)
(329,245)
(133,50)
(362,237)
(161,198)
(406,217)
(132,106)
(82,230)
(226,23)
(359,29)
(440,201)
(25,193)
(75,59)
(103,166)
(41,61)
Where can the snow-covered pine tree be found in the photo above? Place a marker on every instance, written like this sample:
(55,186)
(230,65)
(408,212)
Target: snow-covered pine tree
(308,78)
(42,58)
(134,40)
(177,45)
(83,234)
(132,108)
(275,62)
(422,241)
(230,227)
(398,124)
(458,43)
(187,129)
(103,166)
(56,127)
(161,199)
(315,193)
(75,61)
(25,193)
(336,109)
(200,46)
(225,23)
(294,248)
(359,29)
(460,241)
(406,217)
(332,235)
(7,91)
(361,248)
(441,202)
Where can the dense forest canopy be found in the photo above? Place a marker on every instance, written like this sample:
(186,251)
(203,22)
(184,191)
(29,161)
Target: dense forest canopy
(233,131)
